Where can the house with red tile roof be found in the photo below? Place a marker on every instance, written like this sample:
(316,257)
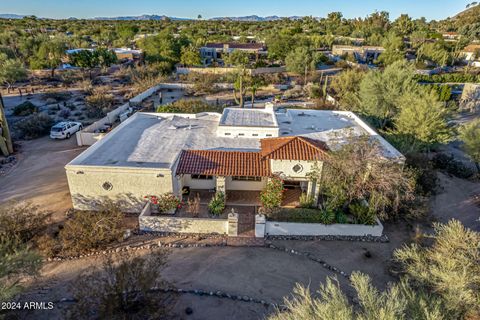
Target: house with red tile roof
(235,152)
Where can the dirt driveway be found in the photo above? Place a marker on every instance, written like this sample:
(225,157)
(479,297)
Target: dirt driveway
(39,176)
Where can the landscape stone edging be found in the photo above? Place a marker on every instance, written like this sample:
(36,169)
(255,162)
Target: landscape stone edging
(199,292)
(368,238)
(308,255)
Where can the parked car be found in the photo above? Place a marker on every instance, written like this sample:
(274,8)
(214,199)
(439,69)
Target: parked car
(64,130)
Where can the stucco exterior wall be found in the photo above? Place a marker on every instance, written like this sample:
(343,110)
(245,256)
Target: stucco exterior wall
(316,229)
(245,185)
(128,186)
(286,166)
(180,225)
(198,184)
(248,132)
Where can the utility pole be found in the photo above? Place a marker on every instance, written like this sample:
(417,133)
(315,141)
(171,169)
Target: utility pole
(6,145)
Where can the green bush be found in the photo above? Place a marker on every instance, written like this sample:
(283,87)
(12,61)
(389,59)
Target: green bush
(34,126)
(340,217)
(306,201)
(308,215)
(448,163)
(449,77)
(271,197)
(327,216)
(217,204)
(24,109)
(362,214)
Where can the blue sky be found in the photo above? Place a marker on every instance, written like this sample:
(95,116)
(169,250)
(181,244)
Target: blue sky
(431,9)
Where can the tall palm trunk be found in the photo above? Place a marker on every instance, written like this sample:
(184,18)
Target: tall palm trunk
(6,145)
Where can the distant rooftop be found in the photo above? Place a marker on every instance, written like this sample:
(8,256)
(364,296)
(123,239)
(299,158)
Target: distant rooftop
(236,45)
(248,118)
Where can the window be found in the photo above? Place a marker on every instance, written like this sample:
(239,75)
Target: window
(297,168)
(107,186)
(241,134)
(201,177)
(237,178)
(228,134)
(255,135)
(269,135)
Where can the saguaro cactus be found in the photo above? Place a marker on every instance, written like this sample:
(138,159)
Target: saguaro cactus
(6,145)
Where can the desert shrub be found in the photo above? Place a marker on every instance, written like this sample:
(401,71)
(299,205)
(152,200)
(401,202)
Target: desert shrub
(189,106)
(355,172)
(22,222)
(64,113)
(34,126)
(448,268)
(306,201)
(454,167)
(122,289)
(17,263)
(425,174)
(99,102)
(90,230)
(203,83)
(217,204)
(362,213)
(58,96)
(24,109)
(70,107)
(397,301)
(193,205)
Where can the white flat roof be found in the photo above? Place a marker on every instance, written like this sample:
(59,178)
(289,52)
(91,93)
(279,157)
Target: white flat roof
(332,127)
(237,117)
(147,140)
(150,140)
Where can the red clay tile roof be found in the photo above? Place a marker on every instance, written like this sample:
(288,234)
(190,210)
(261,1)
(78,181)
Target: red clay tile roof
(472,48)
(223,163)
(293,148)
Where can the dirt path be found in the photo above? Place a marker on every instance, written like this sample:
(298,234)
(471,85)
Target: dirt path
(39,176)
(456,200)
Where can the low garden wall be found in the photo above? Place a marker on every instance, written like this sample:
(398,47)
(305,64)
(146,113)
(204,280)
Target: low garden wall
(147,222)
(273,228)
(88,136)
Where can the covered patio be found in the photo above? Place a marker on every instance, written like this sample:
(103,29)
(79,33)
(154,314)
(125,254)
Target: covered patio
(246,198)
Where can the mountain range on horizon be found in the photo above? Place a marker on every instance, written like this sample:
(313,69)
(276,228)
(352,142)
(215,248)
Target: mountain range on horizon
(249,18)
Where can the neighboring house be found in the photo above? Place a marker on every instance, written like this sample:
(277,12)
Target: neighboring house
(450,36)
(363,54)
(215,52)
(128,54)
(239,150)
(471,55)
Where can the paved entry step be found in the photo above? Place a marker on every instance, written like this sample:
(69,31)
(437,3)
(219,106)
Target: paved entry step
(245,242)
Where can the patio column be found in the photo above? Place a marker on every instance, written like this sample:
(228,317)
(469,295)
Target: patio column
(221,184)
(310,187)
(317,191)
